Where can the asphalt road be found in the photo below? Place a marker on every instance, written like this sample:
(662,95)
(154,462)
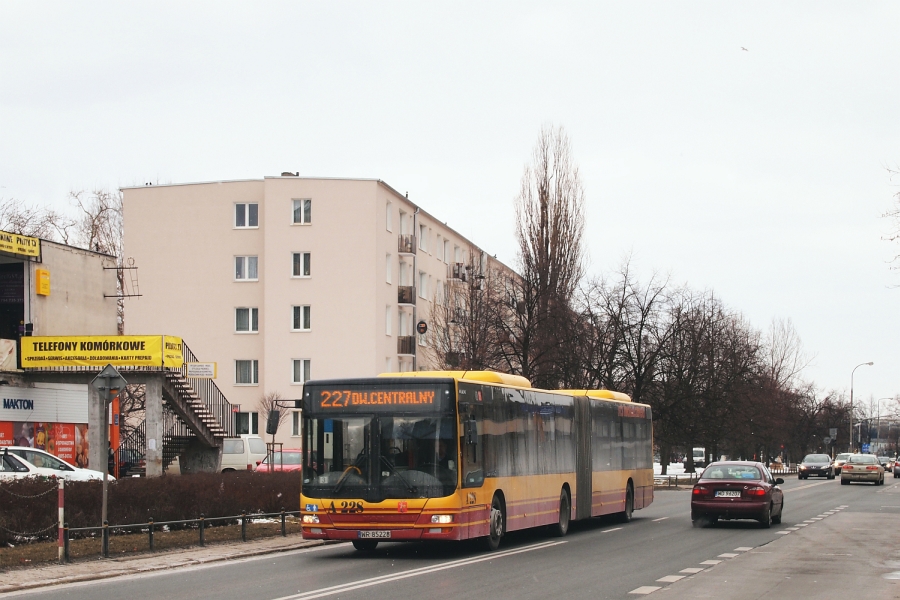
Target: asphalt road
(598,559)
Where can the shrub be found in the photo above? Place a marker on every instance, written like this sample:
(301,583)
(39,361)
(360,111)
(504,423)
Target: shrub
(30,506)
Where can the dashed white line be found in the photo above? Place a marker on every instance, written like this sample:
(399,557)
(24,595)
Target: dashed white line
(802,524)
(782,532)
(608,530)
(710,562)
(645,589)
(670,578)
(660,519)
(692,570)
(792,528)
(743,549)
(727,555)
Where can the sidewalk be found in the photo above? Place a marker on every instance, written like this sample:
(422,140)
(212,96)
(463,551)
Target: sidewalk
(844,556)
(18,579)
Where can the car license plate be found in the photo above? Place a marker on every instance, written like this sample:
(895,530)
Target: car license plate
(728,494)
(374,534)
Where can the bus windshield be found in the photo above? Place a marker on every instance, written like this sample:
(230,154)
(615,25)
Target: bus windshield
(374,457)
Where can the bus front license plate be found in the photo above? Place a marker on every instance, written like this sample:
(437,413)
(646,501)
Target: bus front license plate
(374,534)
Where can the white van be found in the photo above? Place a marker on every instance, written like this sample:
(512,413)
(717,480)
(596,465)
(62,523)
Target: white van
(242,453)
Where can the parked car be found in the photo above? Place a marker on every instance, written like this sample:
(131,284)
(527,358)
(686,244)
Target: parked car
(242,453)
(286,460)
(839,461)
(818,465)
(60,468)
(896,469)
(737,490)
(862,467)
(13,467)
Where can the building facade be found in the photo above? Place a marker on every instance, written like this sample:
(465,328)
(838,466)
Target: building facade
(283,279)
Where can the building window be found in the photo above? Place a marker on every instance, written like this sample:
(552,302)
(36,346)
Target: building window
(423,238)
(295,423)
(301,370)
(388,364)
(246,268)
(302,212)
(387,268)
(446,256)
(423,284)
(301,318)
(388,221)
(246,372)
(246,320)
(301,264)
(246,216)
(388,327)
(246,422)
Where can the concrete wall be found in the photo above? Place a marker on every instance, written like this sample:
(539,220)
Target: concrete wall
(78,282)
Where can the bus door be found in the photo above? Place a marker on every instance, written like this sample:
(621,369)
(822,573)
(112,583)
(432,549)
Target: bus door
(583,463)
(471,454)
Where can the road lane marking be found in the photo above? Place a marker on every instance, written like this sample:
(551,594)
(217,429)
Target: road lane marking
(608,530)
(802,524)
(803,487)
(743,549)
(373,581)
(782,532)
(808,521)
(645,589)
(727,555)
(660,519)
(692,570)
(711,562)
(671,578)
(792,528)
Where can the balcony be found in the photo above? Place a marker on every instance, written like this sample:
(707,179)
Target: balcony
(406,244)
(406,345)
(456,271)
(406,294)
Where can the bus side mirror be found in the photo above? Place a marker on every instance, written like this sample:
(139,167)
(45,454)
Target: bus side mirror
(471,432)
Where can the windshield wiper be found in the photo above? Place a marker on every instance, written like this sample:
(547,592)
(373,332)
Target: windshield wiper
(409,487)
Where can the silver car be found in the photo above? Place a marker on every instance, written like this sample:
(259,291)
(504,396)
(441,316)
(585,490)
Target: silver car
(862,467)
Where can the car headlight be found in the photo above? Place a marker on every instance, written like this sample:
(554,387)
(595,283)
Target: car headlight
(441,518)
(802,467)
(310,518)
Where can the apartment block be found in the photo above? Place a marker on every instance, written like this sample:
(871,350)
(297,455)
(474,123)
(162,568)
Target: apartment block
(283,279)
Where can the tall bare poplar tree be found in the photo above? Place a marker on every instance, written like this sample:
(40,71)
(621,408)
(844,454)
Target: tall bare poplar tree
(549,230)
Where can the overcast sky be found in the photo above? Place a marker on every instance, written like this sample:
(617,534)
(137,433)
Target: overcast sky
(758,173)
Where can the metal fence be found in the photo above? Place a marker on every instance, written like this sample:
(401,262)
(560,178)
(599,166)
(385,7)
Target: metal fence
(151,527)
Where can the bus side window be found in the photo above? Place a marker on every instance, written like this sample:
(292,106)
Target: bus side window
(473,473)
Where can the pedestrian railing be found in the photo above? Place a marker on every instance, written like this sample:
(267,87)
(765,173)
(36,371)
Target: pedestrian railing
(151,527)
(677,479)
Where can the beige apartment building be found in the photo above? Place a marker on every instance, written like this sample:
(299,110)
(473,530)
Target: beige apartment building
(283,279)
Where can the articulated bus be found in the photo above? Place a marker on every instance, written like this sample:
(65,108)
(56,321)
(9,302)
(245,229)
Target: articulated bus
(455,455)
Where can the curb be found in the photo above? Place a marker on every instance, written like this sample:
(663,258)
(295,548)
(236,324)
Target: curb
(230,553)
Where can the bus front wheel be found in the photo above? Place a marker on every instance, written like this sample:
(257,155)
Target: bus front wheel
(565,513)
(497,524)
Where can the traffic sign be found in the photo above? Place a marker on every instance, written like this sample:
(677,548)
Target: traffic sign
(833,432)
(827,440)
(107,380)
(865,448)
(422,327)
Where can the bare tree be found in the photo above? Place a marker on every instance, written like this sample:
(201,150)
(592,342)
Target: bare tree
(462,317)
(269,403)
(549,230)
(784,356)
(42,222)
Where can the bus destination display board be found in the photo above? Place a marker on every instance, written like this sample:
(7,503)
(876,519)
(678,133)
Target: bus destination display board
(380,398)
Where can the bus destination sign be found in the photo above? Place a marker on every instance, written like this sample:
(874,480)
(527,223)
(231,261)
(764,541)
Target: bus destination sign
(379,399)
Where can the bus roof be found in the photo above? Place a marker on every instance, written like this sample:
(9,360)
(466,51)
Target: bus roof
(482,376)
(603,394)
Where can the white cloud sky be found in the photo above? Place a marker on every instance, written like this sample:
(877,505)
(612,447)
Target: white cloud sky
(759,174)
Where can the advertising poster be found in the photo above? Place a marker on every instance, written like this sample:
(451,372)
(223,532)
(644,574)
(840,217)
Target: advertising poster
(100,350)
(65,440)
(6,434)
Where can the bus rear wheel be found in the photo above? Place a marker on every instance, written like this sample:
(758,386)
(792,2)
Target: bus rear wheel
(565,513)
(497,525)
(626,515)
(365,545)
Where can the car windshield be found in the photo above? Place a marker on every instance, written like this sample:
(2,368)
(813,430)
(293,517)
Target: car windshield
(863,460)
(884,458)
(284,458)
(842,456)
(732,472)
(816,458)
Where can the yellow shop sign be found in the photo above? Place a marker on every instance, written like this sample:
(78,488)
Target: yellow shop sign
(19,244)
(100,350)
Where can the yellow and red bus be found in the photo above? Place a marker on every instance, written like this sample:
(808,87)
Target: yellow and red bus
(455,455)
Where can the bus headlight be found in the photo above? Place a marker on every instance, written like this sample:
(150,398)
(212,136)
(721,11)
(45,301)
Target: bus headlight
(310,518)
(441,518)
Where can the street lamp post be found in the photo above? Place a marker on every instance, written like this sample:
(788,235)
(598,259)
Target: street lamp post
(851,399)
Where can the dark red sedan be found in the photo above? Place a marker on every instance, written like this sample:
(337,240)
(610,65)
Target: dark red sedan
(737,490)
(286,460)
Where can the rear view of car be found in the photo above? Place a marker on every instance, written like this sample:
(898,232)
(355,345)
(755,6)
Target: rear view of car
(815,465)
(839,461)
(862,467)
(737,490)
